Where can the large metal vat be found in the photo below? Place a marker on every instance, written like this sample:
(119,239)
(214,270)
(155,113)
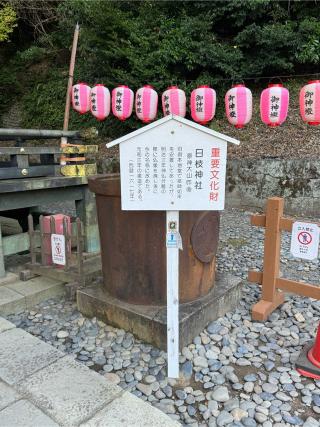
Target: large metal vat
(133,248)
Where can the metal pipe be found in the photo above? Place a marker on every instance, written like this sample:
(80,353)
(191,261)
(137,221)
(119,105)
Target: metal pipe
(37,133)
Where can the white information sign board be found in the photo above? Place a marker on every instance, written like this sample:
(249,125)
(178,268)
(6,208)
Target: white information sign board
(188,174)
(58,249)
(172,165)
(305,240)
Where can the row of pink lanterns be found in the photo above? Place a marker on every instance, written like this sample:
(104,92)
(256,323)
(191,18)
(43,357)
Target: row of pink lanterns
(274,103)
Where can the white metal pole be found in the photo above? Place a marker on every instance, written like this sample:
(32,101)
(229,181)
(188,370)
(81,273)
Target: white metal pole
(173,295)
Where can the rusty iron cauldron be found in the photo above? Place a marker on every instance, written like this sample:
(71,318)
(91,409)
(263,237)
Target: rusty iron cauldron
(133,248)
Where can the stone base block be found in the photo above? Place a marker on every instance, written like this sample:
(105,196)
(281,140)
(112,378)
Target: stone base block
(8,278)
(11,302)
(18,296)
(37,289)
(149,323)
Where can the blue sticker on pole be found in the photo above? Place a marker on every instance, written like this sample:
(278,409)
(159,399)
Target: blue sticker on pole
(172,240)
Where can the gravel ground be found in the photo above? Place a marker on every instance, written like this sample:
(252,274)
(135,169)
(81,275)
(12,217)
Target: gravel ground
(241,248)
(235,373)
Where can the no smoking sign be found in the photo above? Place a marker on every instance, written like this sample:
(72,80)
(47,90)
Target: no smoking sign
(305,240)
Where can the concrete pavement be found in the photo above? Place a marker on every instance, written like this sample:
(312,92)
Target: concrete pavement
(17,295)
(42,387)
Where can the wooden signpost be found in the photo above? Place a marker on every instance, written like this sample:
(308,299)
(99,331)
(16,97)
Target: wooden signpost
(173,164)
(272,283)
(173,237)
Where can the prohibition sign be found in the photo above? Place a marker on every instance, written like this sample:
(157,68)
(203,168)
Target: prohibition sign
(58,248)
(304,238)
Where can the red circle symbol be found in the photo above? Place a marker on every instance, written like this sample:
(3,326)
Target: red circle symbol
(304,238)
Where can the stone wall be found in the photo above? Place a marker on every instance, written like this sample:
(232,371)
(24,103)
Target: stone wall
(13,117)
(250,182)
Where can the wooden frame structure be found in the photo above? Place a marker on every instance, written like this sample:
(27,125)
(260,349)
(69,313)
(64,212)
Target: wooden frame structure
(272,283)
(16,194)
(20,162)
(80,266)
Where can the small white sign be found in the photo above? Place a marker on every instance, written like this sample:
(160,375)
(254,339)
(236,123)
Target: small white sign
(170,165)
(305,240)
(58,249)
(184,172)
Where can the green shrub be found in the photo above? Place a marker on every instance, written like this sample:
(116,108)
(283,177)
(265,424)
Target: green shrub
(160,43)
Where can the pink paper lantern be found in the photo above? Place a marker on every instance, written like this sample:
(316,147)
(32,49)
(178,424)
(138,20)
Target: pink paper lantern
(203,104)
(100,102)
(80,98)
(146,103)
(310,103)
(274,104)
(238,102)
(174,101)
(122,102)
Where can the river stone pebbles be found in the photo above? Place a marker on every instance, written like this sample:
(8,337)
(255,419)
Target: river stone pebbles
(236,372)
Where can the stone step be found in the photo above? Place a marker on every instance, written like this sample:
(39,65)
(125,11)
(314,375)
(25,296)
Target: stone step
(41,386)
(17,295)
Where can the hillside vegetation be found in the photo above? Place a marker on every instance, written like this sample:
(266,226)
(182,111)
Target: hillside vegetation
(162,43)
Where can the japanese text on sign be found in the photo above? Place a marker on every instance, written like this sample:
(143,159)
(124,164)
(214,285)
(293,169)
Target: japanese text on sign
(305,240)
(93,101)
(58,249)
(199,103)
(274,106)
(177,177)
(139,102)
(76,96)
(308,102)
(119,101)
(232,106)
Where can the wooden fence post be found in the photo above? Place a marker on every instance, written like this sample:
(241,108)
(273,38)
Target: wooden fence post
(271,297)
(32,239)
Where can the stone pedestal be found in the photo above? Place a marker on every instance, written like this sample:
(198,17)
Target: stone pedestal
(149,323)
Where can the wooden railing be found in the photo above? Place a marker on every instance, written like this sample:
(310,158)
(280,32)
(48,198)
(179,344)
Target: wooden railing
(273,285)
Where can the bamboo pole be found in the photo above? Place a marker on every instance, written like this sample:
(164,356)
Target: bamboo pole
(64,140)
